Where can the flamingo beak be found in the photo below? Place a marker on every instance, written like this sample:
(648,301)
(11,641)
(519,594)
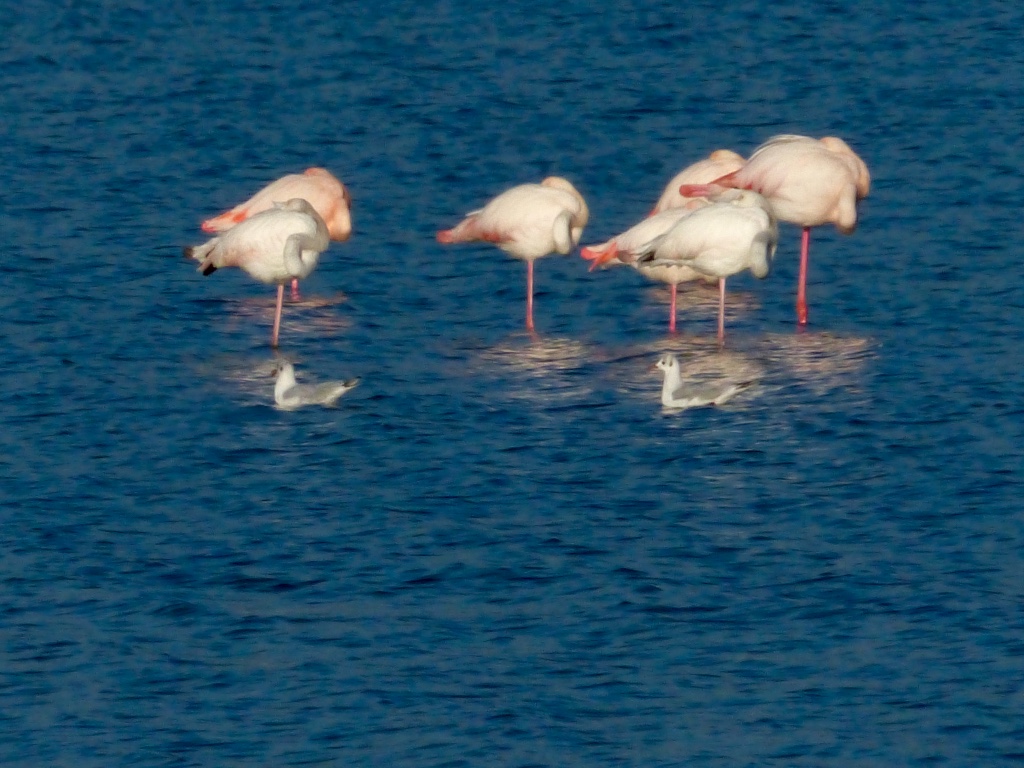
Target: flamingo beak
(597,258)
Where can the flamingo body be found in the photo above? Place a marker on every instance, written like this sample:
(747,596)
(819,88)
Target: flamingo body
(627,248)
(808,182)
(719,163)
(528,222)
(328,196)
(737,231)
(318,186)
(274,246)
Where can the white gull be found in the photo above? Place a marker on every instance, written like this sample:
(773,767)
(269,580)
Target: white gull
(673,395)
(289,394)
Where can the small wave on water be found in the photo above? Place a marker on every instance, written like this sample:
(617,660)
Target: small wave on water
(820,361)
(546,370)
(310,315)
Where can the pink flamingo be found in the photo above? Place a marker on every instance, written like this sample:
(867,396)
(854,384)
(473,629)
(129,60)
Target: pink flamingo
(328,196)
(273,246)
(627,248)
(714,166)
(737,231)
(808,182)
(528,221)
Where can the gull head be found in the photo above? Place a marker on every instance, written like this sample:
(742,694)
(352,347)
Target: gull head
(284,374)
(667,362)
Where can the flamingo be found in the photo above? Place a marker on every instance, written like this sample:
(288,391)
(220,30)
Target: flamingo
(808,182)
(626,249)
(736,231)
(328,196)
(274,246)
(528,221)
(714,166)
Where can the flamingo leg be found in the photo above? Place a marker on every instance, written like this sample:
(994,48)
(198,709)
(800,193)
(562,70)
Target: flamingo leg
(529,295)
(721,311)
(672,312)
(801,290)
(295,289)
(277,316)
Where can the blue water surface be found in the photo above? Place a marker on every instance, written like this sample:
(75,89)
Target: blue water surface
(499,550)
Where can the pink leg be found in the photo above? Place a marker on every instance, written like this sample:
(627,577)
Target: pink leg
(672,312)
(721,311)
(277,316)
(801,290)
(529,295)
(295,289)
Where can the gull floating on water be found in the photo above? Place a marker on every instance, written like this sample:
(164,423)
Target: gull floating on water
(289,394)
(673,395)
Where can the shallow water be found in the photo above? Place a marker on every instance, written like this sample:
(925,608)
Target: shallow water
(499,549)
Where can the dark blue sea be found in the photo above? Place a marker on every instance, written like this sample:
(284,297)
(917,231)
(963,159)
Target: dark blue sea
(499,549)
